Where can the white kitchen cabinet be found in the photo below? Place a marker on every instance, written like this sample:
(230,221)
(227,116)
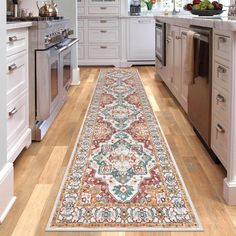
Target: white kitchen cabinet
(18,131)
(176,80)
(173,73)
(100,33)
(141,39)
(183,85)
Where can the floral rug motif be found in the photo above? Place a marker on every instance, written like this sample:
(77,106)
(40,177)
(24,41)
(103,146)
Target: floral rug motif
(122,176)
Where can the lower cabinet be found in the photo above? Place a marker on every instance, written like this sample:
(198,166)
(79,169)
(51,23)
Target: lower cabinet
(173,73)
(18,131)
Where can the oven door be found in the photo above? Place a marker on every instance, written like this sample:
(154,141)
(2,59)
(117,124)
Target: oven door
(47,82)
(160,42)
(66,65)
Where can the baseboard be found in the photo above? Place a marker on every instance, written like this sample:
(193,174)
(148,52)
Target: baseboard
(76,77)
(230,192)
(6,190)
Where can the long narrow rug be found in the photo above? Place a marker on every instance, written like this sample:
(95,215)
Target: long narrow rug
(122,175)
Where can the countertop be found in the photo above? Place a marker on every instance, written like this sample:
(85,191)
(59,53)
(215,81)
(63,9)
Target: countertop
(222,23)
(17,25)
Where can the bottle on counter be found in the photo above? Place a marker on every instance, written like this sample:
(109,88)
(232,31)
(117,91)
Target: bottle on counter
(15,8)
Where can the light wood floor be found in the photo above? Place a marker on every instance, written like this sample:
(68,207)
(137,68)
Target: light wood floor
(40,169)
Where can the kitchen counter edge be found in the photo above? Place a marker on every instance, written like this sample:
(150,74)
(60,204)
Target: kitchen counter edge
(223,23)
(17,25)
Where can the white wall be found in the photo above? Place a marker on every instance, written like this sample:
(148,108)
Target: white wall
(31,5)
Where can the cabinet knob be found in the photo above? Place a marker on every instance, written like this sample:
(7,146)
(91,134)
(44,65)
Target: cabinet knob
(12,38)
(220,129)
(221,69)
(220,98)
(12,67)
(222,40)
(12,112)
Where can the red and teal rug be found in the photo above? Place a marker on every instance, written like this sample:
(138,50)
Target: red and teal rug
(122,175)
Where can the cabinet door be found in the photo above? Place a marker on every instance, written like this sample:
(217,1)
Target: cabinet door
(169,61)
(141,39)
(176,81)
(183,85)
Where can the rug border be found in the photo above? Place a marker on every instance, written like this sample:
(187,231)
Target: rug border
(121,229)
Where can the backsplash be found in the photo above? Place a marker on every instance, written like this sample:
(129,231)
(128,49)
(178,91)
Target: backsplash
(30,5)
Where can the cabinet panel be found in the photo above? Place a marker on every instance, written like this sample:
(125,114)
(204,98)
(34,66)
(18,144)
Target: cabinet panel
(17,120)
(16,41)
(222,46)
(221,103)
(103,23)
(220,140)
(103,10)
(103,52)
(103,35)
(103,2)
(17,74)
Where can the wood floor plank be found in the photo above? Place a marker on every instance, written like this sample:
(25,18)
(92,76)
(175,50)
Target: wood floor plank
(53,166)
(27,224)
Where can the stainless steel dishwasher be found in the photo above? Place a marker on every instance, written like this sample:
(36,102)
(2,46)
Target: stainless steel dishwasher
(200,91)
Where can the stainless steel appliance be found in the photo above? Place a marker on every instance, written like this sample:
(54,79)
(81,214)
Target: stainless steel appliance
(160,42)
(50,71)
(200,91)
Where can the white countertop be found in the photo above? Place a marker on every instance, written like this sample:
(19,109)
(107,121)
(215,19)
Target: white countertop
(216,22)
(18,24)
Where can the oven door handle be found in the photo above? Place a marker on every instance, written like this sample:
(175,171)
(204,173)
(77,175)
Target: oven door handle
(68,45)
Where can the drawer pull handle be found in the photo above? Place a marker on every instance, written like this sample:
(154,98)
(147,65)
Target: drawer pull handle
(103,31)
(220,98)
(103,21)
(222,40)
(12,67)
(221,69)
(220,129)
(178,37)
(103,47)
(12,39)
(103,8)
(168,40)
(12,112)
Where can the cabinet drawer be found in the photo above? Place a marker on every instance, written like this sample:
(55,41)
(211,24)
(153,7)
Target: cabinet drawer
(81,11)
(17,74)
(81,35)
(220,140)
(103,2)
(103,52)
(103,10)
(103,36)
(81,52)
(16,41)
(103,23)
(222,75)
(222,46)
(17,120)
(221,103)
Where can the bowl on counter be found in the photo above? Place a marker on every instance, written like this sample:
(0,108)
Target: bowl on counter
(206,12)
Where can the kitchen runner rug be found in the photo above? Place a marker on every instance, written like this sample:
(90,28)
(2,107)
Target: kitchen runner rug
(122,175)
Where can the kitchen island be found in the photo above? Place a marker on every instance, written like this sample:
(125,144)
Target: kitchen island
(223,88)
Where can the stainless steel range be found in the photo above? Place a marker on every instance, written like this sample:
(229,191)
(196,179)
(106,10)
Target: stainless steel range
(50,69)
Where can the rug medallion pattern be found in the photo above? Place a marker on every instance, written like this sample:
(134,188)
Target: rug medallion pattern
(121,174)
